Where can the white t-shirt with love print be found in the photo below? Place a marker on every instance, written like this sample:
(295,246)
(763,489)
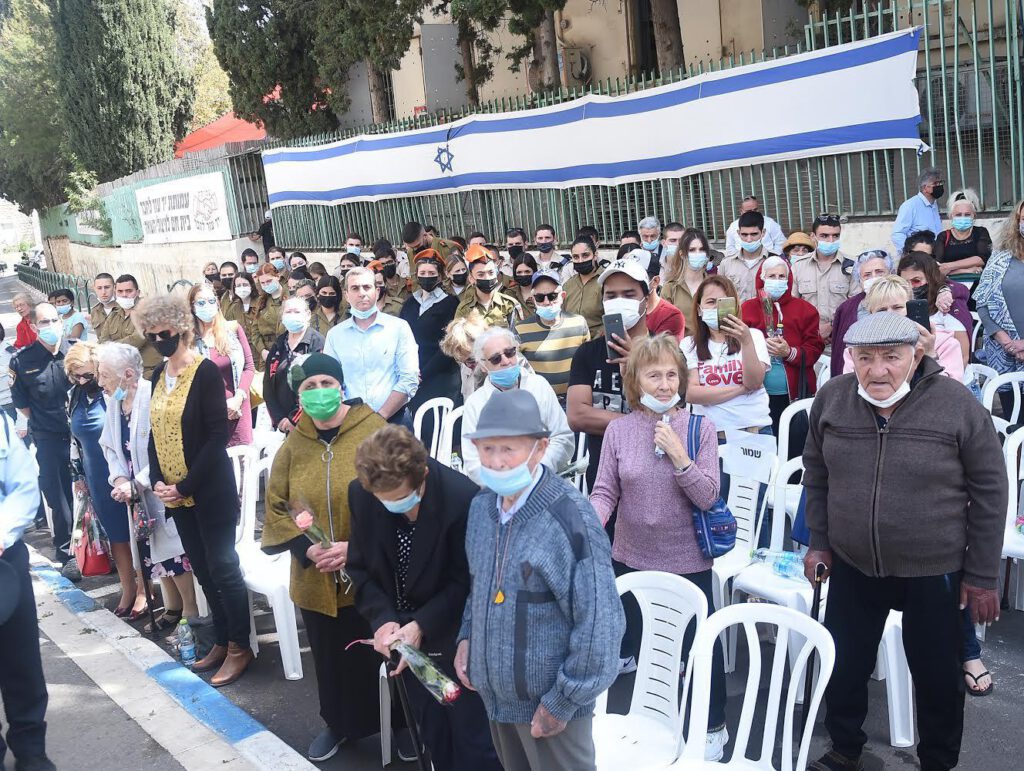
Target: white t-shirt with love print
(747,410)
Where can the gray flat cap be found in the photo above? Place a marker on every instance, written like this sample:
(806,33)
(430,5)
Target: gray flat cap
(880,330)
(510,413)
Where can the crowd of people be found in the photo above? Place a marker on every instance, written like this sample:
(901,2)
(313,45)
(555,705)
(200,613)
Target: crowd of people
(642,358)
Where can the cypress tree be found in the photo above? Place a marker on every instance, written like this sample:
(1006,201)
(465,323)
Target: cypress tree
(124,95)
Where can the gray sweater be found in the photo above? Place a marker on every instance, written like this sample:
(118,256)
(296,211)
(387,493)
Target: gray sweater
(924,496)
(555,638)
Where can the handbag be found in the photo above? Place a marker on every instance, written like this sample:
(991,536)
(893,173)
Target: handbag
(715,528)
(90,550)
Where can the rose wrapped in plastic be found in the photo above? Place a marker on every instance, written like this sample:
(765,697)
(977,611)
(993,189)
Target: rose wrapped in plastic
(304,521)
(440,686)
(768,307)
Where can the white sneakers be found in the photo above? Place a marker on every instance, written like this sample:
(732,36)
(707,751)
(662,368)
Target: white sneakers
(715,747)
(627,665)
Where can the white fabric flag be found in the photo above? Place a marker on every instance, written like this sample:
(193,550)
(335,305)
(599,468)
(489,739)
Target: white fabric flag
(699,124)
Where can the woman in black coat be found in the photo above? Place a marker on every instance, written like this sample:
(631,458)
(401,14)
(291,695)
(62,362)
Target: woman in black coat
(428,311)
(407,559)
(298,339)
(191,473)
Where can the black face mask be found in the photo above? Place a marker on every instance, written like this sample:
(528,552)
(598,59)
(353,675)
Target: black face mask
(584,268)
(938,191)
(390,270)
(545,248)
(227,281)
(330,301)
(167,347)
(515,251)
(211,277)
(428,283)
(311,302)
(487,285)
(92,388)
(524,280)
(921,292)
(459,279)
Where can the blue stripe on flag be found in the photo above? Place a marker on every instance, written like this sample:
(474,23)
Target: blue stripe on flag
(670,164)
(742,81)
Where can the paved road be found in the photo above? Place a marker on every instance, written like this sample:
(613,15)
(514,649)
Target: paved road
(992,735)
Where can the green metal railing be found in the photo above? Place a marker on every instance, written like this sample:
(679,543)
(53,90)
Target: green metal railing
(47,281)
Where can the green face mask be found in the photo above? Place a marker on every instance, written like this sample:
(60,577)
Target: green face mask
(320,403)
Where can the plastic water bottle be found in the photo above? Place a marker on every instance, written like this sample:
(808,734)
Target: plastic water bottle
(788,564)
(186,644)
(456,464)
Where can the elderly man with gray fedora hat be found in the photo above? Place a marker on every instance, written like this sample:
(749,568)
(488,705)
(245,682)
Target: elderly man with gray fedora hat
(906,501)
(541,630)
(22,684)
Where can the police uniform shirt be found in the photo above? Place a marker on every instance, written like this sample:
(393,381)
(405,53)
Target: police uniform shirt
(38,383)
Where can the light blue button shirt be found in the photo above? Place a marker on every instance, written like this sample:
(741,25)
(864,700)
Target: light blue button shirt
(377,360)
(917,213)
(19,485)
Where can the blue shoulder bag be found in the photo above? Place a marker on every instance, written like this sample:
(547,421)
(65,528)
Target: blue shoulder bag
(716,527)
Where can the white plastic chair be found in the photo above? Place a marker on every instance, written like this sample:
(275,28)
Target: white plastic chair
(268,575)
(790,626)
(786,421)
(654,725)
(979,373)
(988,393)
(444,450)
(582,454)
(742,502)
(978,336)
(823,370)
(1013,541)
(892,666)
(438,408)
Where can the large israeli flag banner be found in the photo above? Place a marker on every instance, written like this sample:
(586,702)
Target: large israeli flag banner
(859,96)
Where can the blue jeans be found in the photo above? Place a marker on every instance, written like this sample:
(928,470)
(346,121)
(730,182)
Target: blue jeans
(631,640)
(971,648)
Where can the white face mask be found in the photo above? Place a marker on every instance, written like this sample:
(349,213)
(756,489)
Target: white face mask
(632,310)
(126,302)
(868,283)
(243,291)
(898,395)
(657,406)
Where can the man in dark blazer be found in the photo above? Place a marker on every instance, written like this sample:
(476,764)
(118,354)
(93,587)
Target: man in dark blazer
(407,559)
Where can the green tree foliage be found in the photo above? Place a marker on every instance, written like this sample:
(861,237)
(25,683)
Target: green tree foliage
(265,47)
(195,53)
(33,165)
(124,95)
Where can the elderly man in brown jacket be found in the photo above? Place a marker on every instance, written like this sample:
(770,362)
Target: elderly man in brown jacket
(906,504)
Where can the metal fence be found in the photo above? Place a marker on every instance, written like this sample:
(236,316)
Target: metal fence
(47,281)
(970,86)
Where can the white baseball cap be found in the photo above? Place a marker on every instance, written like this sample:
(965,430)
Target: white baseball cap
(628,266)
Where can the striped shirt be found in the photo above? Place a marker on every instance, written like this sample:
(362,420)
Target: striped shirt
(550,349)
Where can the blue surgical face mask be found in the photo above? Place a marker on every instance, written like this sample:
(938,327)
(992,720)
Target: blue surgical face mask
(710,317)
(278,263)
(272,288)
(750,246)
(655,405)
(353,250)
(670,250)
(697,260)
(205,312)
(505,378)
(828,248)
(775,287)
(510,481)
(251,268)
(63,310)
(50,335)
(363,315)
(120,393)
(293,322)
(403,505)
(549,312)
(651,246)
(961,224)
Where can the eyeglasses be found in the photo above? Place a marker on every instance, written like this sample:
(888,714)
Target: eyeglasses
(154,336)
(831,220)
(508,353)
(549,296)
(204,303)
(85,377)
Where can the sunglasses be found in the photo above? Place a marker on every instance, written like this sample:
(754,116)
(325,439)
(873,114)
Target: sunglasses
(832,220)
(508,353)
(85,377)
(154,336)
(549,296)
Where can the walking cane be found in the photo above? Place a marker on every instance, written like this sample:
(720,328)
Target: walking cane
(819,571)
(410,719)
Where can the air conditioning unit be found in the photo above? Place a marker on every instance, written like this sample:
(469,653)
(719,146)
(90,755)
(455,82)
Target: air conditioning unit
(574,66)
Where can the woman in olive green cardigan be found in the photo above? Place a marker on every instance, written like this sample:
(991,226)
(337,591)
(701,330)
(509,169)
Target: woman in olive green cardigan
(311,473)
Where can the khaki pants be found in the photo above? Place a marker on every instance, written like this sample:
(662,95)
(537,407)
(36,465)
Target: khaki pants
(571,750)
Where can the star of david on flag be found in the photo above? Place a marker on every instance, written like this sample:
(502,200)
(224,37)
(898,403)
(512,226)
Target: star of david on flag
(444,158)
